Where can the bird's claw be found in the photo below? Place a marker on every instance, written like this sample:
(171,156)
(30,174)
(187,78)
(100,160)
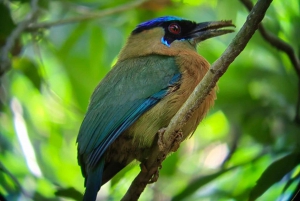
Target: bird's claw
(176,139)
(143,167)
(160,142)
(154,176)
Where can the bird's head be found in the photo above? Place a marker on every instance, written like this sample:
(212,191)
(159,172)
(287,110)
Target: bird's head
(170,32)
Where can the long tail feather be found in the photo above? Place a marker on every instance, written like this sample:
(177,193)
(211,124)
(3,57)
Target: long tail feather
(93,182)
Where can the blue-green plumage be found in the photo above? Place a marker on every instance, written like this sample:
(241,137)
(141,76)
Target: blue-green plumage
(156,71)
(91,183)
(156,22)
(131,88)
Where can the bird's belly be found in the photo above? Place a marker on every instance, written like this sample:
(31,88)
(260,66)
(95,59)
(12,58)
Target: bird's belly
(136,142)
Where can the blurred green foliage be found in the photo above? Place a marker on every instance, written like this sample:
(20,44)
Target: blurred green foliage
(248,146)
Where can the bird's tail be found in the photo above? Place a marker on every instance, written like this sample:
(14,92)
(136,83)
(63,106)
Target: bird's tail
(93,182)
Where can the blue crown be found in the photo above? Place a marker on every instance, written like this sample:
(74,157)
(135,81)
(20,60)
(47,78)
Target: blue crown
(155,23)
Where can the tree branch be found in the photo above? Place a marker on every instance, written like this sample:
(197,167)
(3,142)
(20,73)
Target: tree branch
(209,81)
(283,46)
(5,62)
(92,16)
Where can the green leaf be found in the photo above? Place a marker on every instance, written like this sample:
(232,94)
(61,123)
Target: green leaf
(290,182)
(39,196)
(198,183)
(296,193)
(6,22)
(69,193)
(257,126)
(5,144)
(274,173)
(172,163)
(29,69)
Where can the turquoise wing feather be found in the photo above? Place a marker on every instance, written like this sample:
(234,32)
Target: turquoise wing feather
(131,88)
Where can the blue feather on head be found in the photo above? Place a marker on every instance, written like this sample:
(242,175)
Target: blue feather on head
(155,23)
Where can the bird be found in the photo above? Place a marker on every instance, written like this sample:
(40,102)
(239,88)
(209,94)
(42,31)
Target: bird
(156,71)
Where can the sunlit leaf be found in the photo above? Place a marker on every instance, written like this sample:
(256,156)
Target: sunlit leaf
(70,192)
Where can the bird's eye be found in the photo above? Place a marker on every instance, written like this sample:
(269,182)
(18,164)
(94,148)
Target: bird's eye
(174,28)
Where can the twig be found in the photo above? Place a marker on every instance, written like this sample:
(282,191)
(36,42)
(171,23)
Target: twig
(5,62)
(217,69)
(102,13)
(29,25)
(283,46)
(275,41)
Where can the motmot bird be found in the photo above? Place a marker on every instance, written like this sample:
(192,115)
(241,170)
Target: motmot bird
(155,73)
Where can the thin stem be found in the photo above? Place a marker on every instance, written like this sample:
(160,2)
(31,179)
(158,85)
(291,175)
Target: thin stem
(100,14)
(5,62)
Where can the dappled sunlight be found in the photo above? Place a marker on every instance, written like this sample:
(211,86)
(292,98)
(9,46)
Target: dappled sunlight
(213,126)
(22,134)
(215,155)
(197,3)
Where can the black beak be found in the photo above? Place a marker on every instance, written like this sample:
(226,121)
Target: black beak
(206,30)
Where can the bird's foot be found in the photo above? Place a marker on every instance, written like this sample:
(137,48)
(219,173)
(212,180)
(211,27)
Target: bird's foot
(175,138)
(155,175)
(154,171)
(143,167)
(160,142)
